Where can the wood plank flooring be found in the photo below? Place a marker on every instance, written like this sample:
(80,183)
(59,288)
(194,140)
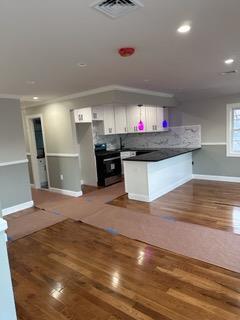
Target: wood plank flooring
(72,271)
(208,203)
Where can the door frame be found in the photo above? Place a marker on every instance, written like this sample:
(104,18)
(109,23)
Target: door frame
(33,149)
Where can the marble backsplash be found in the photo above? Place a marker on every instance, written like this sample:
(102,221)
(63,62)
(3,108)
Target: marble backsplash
(176,137)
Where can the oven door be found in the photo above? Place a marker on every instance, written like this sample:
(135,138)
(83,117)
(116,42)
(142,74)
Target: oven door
(112,170)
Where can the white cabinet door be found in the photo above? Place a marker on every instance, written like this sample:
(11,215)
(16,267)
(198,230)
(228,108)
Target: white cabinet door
(83,115)
(151,119)
(120,119)
(162,114)
(109,120)
(133,117)
(98,113)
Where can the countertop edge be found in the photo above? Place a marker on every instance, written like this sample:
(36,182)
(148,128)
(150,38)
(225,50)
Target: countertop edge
(139,158)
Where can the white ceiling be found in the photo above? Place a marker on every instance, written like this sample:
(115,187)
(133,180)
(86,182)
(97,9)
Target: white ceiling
(43,41)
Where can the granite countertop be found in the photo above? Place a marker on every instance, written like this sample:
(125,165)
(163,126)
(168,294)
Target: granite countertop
(103,153)
(162,154)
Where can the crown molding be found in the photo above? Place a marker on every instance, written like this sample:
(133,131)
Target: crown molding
(9,96)
(102,90)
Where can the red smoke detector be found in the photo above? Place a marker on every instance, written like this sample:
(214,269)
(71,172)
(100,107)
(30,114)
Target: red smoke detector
(126,52)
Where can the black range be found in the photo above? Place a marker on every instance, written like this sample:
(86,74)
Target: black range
(161,154)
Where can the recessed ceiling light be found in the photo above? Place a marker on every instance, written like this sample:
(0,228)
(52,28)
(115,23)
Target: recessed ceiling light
(35,98)
(229,61)
(82,65)
(184,28)
(31,82)
(146,80)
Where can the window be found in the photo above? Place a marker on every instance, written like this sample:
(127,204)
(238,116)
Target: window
(233,130)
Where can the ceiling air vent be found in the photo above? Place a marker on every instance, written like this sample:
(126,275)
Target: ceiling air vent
(117,8)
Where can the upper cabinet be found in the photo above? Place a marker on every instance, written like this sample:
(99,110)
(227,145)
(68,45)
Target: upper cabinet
(151,119)
(98,113)
(120,119)
(125,119)
(109,120)
(83,115)
(162,119)
(134,115)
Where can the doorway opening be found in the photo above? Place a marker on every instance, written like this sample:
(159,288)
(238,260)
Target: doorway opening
(38,153)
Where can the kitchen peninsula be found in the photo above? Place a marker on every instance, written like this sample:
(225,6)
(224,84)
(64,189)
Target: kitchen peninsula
(151,175)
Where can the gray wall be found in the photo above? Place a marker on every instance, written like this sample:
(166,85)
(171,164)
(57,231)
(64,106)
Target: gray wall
(60,130)
(14,185)
(14,179)
(212,160)
(11,131)
(69,168)
(211,115)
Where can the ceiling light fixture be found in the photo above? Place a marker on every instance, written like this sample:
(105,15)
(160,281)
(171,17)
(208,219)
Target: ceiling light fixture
(82,65)
(140,125)
(184,28)
(229,61)
(35,98)
(31,82)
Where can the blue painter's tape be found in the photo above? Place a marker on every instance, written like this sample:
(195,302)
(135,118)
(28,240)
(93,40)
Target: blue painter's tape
(112,231)
(56,213)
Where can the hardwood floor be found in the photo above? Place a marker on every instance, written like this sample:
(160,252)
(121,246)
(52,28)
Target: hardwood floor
(87,189)
(74,271)
(208,203)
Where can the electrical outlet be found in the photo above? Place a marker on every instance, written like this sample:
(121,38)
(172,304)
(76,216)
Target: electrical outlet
(61,176)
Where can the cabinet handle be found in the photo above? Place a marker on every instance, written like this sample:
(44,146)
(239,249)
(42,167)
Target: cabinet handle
(153,127)
(125,129)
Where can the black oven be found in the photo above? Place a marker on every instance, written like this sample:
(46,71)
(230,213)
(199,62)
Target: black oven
(108,167)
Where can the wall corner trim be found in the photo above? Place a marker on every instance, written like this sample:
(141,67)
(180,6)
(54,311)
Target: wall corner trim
(216,178)
(11,163)
(3,225)
(64,155)
(67,192)
(214,143)
(18,207)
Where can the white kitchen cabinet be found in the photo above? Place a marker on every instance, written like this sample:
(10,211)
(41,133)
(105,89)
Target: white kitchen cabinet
(109,120)
(151,119)
(133,118)
(83,115)
(98,113)
(120,119)
(125,155)
(162,114)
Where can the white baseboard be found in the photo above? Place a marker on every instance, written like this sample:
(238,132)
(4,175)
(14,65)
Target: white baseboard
(18,207)
(216,178)
(67,192)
